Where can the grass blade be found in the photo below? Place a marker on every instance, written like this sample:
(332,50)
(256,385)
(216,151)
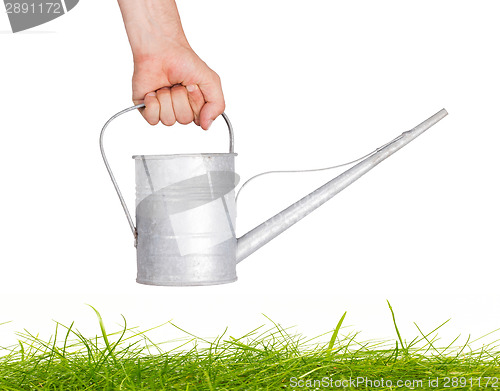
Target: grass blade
(336,332)
(397,330)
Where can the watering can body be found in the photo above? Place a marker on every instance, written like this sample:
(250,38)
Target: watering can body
(186,211)
(186,217)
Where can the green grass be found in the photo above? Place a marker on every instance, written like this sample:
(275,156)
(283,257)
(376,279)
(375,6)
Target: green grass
(268,358)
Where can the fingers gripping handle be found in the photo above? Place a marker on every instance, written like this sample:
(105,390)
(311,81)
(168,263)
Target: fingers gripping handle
(108,167)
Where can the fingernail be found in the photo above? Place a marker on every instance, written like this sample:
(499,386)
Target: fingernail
(209,124)
(151,94)
(191,88)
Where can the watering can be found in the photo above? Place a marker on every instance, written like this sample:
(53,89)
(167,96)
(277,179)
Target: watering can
(186,211)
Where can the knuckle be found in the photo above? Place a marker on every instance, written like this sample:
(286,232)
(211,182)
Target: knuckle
(220,107)
(216,77)
(163,92)
(178,89)
(151,104)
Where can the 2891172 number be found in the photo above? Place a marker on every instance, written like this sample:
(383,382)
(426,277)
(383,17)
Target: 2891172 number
(481,382)
(32,8)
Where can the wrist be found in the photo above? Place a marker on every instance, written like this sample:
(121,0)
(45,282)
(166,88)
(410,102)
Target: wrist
(152,26)
(159,44)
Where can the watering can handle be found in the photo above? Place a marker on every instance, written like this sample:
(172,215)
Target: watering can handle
(115,183)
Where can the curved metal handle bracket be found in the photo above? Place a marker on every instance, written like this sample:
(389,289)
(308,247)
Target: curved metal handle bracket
(115,183)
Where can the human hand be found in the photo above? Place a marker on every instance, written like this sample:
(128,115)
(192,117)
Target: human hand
(177,86)
(169,78)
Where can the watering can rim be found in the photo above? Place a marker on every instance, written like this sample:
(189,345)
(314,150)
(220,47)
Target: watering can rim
(176,155)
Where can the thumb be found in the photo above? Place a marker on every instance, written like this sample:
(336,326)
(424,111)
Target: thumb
(209,112)
(214,102)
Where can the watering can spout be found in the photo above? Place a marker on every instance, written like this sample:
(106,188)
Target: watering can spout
(265,232)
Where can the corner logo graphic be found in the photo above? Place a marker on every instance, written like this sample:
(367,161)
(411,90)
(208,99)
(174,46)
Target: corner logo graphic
(25,14)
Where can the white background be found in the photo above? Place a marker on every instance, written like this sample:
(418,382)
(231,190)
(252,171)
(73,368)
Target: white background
(307,84)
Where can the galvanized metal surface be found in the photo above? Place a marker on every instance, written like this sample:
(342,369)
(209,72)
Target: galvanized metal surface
(186,217)
(265,232)
(186,211)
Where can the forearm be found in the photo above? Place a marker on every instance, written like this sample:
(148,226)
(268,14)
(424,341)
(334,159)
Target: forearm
(151,25)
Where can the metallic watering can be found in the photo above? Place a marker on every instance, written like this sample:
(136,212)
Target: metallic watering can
(186,211)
